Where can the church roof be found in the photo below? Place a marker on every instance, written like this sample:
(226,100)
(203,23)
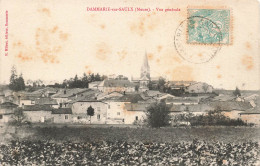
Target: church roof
(118,83)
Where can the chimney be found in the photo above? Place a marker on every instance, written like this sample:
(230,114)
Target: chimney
(19,99)
(23,106)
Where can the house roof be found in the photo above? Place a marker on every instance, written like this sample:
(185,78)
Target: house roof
(224,98)
(65,93)
(46,101)
(136,106)
(29,97)
(117,83)
(231,105)
(255,110)
(8,104)
(152,93)
(87,95)
(62,111)
(133,98)
(182,100)
(108,95)
(37,108)
(191,108)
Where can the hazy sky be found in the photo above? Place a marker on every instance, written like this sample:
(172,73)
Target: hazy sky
(54,40)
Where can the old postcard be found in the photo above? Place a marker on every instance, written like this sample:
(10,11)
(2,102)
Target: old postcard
(169,82)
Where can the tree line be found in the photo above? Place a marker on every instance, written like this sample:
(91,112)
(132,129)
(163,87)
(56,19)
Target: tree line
(79,82)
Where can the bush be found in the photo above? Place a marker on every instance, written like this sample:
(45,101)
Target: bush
(213,118)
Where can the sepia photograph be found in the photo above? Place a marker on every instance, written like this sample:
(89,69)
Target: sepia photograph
(164,83)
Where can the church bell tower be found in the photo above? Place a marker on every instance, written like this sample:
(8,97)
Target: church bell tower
(145,75)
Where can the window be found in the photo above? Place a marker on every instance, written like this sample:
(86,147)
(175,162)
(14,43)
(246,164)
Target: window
(66,117)
(123,120)
(79,117)
(98,116)
(136,118)
(118,113)
(32,102)
(60,104)
(1,116)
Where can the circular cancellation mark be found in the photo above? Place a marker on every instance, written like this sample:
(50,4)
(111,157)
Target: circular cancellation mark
(201,48)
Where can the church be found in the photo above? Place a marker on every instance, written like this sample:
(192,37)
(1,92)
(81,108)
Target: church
(145,77)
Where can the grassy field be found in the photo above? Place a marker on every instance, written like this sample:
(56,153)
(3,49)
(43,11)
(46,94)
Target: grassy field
(130,134)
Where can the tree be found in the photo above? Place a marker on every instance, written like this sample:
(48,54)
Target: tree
(16,83)
(161,84)
(13,78)
(20,82)
(237,92)
(18,116)
(90,112)
(205,87)
(85,80)
(158,115)
(97,77)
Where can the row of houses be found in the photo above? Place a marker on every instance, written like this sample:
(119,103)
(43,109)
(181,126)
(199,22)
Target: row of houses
(50,105)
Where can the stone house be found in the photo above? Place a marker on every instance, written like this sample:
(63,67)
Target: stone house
(62,115)
(6,111)
(79,111)
(199,87)
(37,113)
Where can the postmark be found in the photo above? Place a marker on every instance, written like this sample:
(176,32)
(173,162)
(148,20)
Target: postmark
(203,31)
(197,52)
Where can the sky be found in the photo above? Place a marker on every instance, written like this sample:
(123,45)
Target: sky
(50,40)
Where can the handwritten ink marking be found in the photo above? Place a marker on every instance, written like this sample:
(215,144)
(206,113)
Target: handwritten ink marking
(6,33)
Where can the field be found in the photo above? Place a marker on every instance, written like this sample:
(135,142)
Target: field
(133,134)
(110,145)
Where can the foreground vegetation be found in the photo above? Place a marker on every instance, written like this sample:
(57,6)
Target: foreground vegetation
(123,153)
(103,145)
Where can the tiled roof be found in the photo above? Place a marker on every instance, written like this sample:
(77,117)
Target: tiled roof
(65,93)
(191,108)
(152,93)
(133,98)
(8,105)
(46,101)
(224,98)
(117,83)
(62,111)
(231,105)
(182,100)
(37,108)
(136,106)
(255,110)
(88,95)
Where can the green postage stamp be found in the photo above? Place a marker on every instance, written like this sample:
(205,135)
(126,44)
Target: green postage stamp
(209,26)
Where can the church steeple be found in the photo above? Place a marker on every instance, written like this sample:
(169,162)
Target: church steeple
(145,75)
(145,69)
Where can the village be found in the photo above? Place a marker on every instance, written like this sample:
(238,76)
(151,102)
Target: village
(118,100)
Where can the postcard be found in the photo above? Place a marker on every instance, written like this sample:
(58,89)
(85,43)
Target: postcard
(171,82)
